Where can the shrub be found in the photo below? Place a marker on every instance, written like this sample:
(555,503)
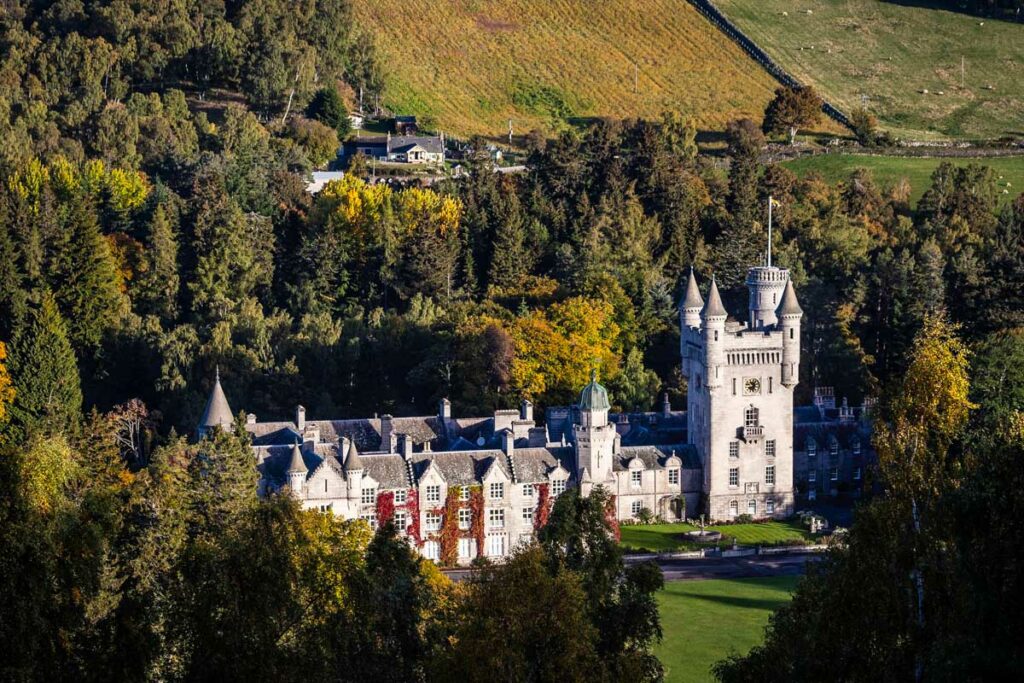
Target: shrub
(744,519)
(328,108)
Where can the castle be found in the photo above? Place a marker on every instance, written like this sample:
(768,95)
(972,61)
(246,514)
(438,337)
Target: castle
(730,453)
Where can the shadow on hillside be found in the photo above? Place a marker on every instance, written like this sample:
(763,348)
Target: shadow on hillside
(1010,15)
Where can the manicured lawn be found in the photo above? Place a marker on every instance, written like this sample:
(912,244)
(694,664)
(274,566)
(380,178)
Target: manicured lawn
(661,537)
(888,170)
(705,621)
(888,53)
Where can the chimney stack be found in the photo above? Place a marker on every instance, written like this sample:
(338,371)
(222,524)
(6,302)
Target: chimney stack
(300,418)
(405,445)
(388,438)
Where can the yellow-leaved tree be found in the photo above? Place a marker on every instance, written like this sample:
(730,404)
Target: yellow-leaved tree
(555,349)
(914,439)
(6,386)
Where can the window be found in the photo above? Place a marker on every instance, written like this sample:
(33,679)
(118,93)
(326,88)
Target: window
(463,493)
(769,507)
(433,521)
(769,448)
(769,385)
(833,474)
(734,508)
(467,548)
(812,449)
(495,546)
(370,519)
(369,496)
(635,507)
(528,490)
(769,475)
(834,448)
(325,508)
(856,474)
(465,518)
(497,490)
(812,495)
(558,487)
(528,515)
(751,507)
(400,497)
(733,386)
(432,550)
(673,476)
(750,417)
(734,476)
(401,521)
(734,449)
(856,447)
(812,476)
(432,493)
(791,333)
(496,518)
(636,478)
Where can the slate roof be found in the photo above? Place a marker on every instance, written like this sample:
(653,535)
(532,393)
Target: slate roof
(535,464)
(654,457)
(714,306)
(217,412)
(789,304)
(403,143)
(274,461)
(692,297)
(460,468)
(389,470)
(364,432)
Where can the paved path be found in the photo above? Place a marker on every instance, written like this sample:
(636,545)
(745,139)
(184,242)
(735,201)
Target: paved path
(717,568)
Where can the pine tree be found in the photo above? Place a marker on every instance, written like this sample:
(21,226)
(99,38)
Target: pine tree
(45,374)
(87,282)
(158,285)
(510,260)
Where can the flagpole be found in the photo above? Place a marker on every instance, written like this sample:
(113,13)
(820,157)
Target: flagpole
(769,231)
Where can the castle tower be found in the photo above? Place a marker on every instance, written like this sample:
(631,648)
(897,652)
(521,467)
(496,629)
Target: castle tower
(297,471)
(594,436)
(353,468)
(740,398)
(217,412)
(689,309)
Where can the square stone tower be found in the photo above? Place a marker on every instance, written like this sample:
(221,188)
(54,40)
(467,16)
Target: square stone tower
(740,381)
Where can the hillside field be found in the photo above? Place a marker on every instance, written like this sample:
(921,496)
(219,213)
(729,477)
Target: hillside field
(887,170)
(705,621)
(889,52)
(468,66)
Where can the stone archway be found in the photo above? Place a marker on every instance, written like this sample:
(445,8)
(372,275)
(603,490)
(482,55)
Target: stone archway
(671,508)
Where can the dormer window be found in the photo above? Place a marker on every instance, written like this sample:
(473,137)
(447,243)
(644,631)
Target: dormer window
(558,487)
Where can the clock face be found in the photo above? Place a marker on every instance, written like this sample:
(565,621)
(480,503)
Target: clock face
(751,386)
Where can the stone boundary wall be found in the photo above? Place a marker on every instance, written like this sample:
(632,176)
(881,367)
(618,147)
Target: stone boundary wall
(715,16)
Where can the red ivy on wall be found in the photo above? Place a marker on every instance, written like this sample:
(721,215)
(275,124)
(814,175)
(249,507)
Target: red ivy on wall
(385,507)
(612,519)
(476,506)
(450,528)
(540,515)
(412,505)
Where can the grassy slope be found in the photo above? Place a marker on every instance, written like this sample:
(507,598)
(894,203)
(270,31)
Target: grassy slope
(659,537)
(704,621)
(890,52)
(888,170)
(473,64)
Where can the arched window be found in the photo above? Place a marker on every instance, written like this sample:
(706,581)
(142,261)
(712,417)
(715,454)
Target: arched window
(734,508)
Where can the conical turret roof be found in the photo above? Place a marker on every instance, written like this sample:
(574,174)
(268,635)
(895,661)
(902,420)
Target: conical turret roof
(789,305)
(692,297)
(594,396)
(353,461)
(714,306)
(297,464)
(218,412)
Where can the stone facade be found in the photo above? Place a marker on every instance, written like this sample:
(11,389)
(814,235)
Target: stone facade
(730,453)
(740,381)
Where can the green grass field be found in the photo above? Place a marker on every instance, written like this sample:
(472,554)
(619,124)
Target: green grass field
(468,66)
(888,170)
(705,621)
(664,537)
(889,53)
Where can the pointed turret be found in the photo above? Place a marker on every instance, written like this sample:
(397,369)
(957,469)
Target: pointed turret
(692,303)
(789,305)
(297,464)
(714,307)
(218,412)
(353,463)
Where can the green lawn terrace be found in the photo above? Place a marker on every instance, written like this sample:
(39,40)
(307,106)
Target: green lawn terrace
(706,621)
(672,537)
